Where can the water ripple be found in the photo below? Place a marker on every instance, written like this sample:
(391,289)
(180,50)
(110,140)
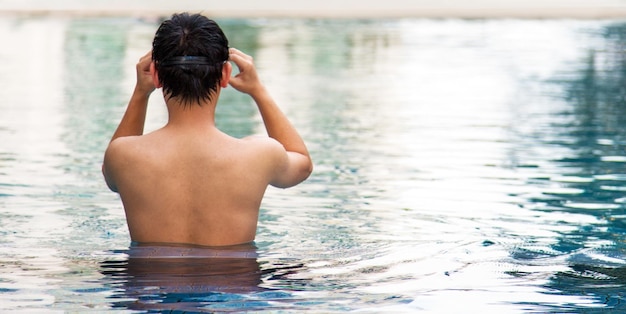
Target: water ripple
(475,161)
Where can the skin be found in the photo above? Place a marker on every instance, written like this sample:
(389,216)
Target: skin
(190,183)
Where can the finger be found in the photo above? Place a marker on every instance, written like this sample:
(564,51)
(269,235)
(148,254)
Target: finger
(148,55)
(144,62)
(235,51)
(144,65)
(239,61)
(235,58)
(235,82)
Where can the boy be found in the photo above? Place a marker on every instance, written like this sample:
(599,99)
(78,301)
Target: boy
(188,182)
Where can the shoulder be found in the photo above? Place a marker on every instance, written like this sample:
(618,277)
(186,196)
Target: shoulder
(267,150)
(265,143)
(121,147)
(286,168)
(117,157)
(129,151)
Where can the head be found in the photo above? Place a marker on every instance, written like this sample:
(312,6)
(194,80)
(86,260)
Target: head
(189,53)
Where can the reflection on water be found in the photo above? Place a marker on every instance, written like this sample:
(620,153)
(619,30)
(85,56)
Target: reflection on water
(166,278)
(176,278)
(475,161)
(588,176)
(182,283)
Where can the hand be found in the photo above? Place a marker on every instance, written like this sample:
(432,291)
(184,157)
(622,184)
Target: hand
(247,80)
(145,83)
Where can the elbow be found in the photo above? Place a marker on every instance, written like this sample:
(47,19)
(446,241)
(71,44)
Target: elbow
(108,181)
(305,172)
(309,169)
(296,177)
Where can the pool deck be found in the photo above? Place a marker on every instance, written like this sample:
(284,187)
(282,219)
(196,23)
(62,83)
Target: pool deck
(575,9)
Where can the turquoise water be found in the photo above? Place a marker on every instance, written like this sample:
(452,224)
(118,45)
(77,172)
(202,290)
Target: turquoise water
(460,164)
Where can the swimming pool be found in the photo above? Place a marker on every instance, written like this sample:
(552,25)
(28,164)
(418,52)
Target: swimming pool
(460,164)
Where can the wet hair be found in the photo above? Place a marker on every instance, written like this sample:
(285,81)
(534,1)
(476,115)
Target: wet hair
(189,52)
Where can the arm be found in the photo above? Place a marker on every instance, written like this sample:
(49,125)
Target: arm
(299,165)
(134,118)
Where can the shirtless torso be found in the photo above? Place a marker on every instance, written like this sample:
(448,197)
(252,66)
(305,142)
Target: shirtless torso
(188,182)
(203,189)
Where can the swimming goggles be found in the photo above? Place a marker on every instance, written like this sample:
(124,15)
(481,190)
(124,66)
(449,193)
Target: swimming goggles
(188,60)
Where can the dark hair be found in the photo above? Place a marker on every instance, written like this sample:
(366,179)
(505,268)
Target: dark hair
(189,51)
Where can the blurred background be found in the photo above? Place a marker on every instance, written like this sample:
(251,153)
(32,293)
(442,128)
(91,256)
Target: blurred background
(329,8)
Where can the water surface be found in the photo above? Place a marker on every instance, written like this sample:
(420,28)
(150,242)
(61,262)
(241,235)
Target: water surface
(473,163)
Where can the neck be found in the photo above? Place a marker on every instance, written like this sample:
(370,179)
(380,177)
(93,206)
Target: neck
(191,115)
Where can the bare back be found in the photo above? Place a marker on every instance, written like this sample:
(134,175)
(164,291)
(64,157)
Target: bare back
(189,183)
(201,189)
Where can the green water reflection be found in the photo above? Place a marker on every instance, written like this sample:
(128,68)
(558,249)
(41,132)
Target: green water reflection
(595,137)
(480,161)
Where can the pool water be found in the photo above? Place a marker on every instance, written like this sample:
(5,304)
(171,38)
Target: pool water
(460,165)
